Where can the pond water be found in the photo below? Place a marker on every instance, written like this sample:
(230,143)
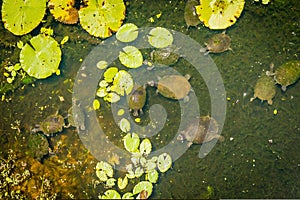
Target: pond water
(258,159)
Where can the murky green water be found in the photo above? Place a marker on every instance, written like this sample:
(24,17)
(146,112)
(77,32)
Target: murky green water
(260,155)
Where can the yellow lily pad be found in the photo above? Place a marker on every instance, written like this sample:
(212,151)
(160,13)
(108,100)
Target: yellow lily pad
(145,147)
(101,18)
(124,125)
(104,170)
(164,162)
(111,194)
(152,176)
(131,142)
(127,32)
(64,11)
(123,83)
(143,185)
(160,37)
(131,57)
(128,195)
(219,14)
(111,97)
(122,182)
(110,73)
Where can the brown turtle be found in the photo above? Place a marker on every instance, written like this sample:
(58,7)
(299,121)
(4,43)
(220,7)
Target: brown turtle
(190,16)
(76,117)
(201,130)
(287,74)
(217,44)
(137,100)
(265,88)
(173,86)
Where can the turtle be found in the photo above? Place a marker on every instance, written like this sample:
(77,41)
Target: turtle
(287,74)
(200,130)
(137,100)
(51,125)
(174,87)
(165,56)
(265,88)
(190,16)
(76,117)
(38,146)
(217,44)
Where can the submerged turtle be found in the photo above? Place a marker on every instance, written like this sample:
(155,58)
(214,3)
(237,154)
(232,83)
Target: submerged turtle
(38,146)
(173,86)
(76,117)
(137,100)
(265,88)
(287,74)
(51,125)
(190,16)
(217,44)
(165,56)
(201,130)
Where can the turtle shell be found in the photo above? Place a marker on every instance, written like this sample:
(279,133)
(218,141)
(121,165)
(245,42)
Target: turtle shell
(174,86)
(287,74)
(201,130)
(52,124)
(265,89)
(165,56)
(218,43)
(76,115)
(137,99)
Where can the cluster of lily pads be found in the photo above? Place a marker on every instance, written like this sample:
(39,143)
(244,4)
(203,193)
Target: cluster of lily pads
(141,165)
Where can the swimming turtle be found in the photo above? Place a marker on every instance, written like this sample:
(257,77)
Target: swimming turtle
(76,117)
(190,16)
(265,88)
(287,74)
(51,125)
(201,130)
(137,100)
(173,86)
(165,56)
(217,44)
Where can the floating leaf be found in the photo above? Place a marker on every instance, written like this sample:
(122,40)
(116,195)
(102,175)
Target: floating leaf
(143,185)
(123,82)
(41,57)
(110,73)
(111,194)
(127,32)
(21,17)
(152,176)
(64,40)
(130,174)
(101,92)
(131,57)
(64,11)
(112,97)
(145,147)
(110,182)
(219,14)
(100,17)
(124,125)
(96,104)
(128,195)
(104,170)
(160,37)
(164,162)
(138,172)
(102,64)
(131,142)
(121,112)
(122,183)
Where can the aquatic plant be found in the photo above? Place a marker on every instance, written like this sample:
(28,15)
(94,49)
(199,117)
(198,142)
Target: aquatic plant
(101,18)
(160,37)
(219,14)
(104,171)
(131,57)
(265,2)
(21,17)
(64,11)
(127,32)
(131,142)
(124,125)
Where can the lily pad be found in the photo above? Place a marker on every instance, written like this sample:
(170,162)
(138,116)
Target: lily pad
(64,11)
(112,97)
(131,57)
(160,37)
(138,172)
(111,194)
(101,17)
(219,14)
(128,195)
(124,125)
(102,64)
(143,185)
(145,147)
(122,183)
(41,57)
(110,182)
(110,73)
(21,17)
(123,83)
(131,142)
(127,32)
(104,170)
(152,176)
(164,162)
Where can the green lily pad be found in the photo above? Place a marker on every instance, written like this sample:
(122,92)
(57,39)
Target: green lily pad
(138,172)
(150,165)
(103,83)
(21,17)
(101,92)
(124,125)
(219,14)
(102,64)
(110,182)
(145,147)
(112,97)
(123,82)
(131,57)
(101,17)
(164,162)
(128,195)
(160,37)
(143,185)
(110,73)
(111,194)
(152,176)
(130,174)
(122,183)
(41,57)
(127,32)
(104,170)
(131,142)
